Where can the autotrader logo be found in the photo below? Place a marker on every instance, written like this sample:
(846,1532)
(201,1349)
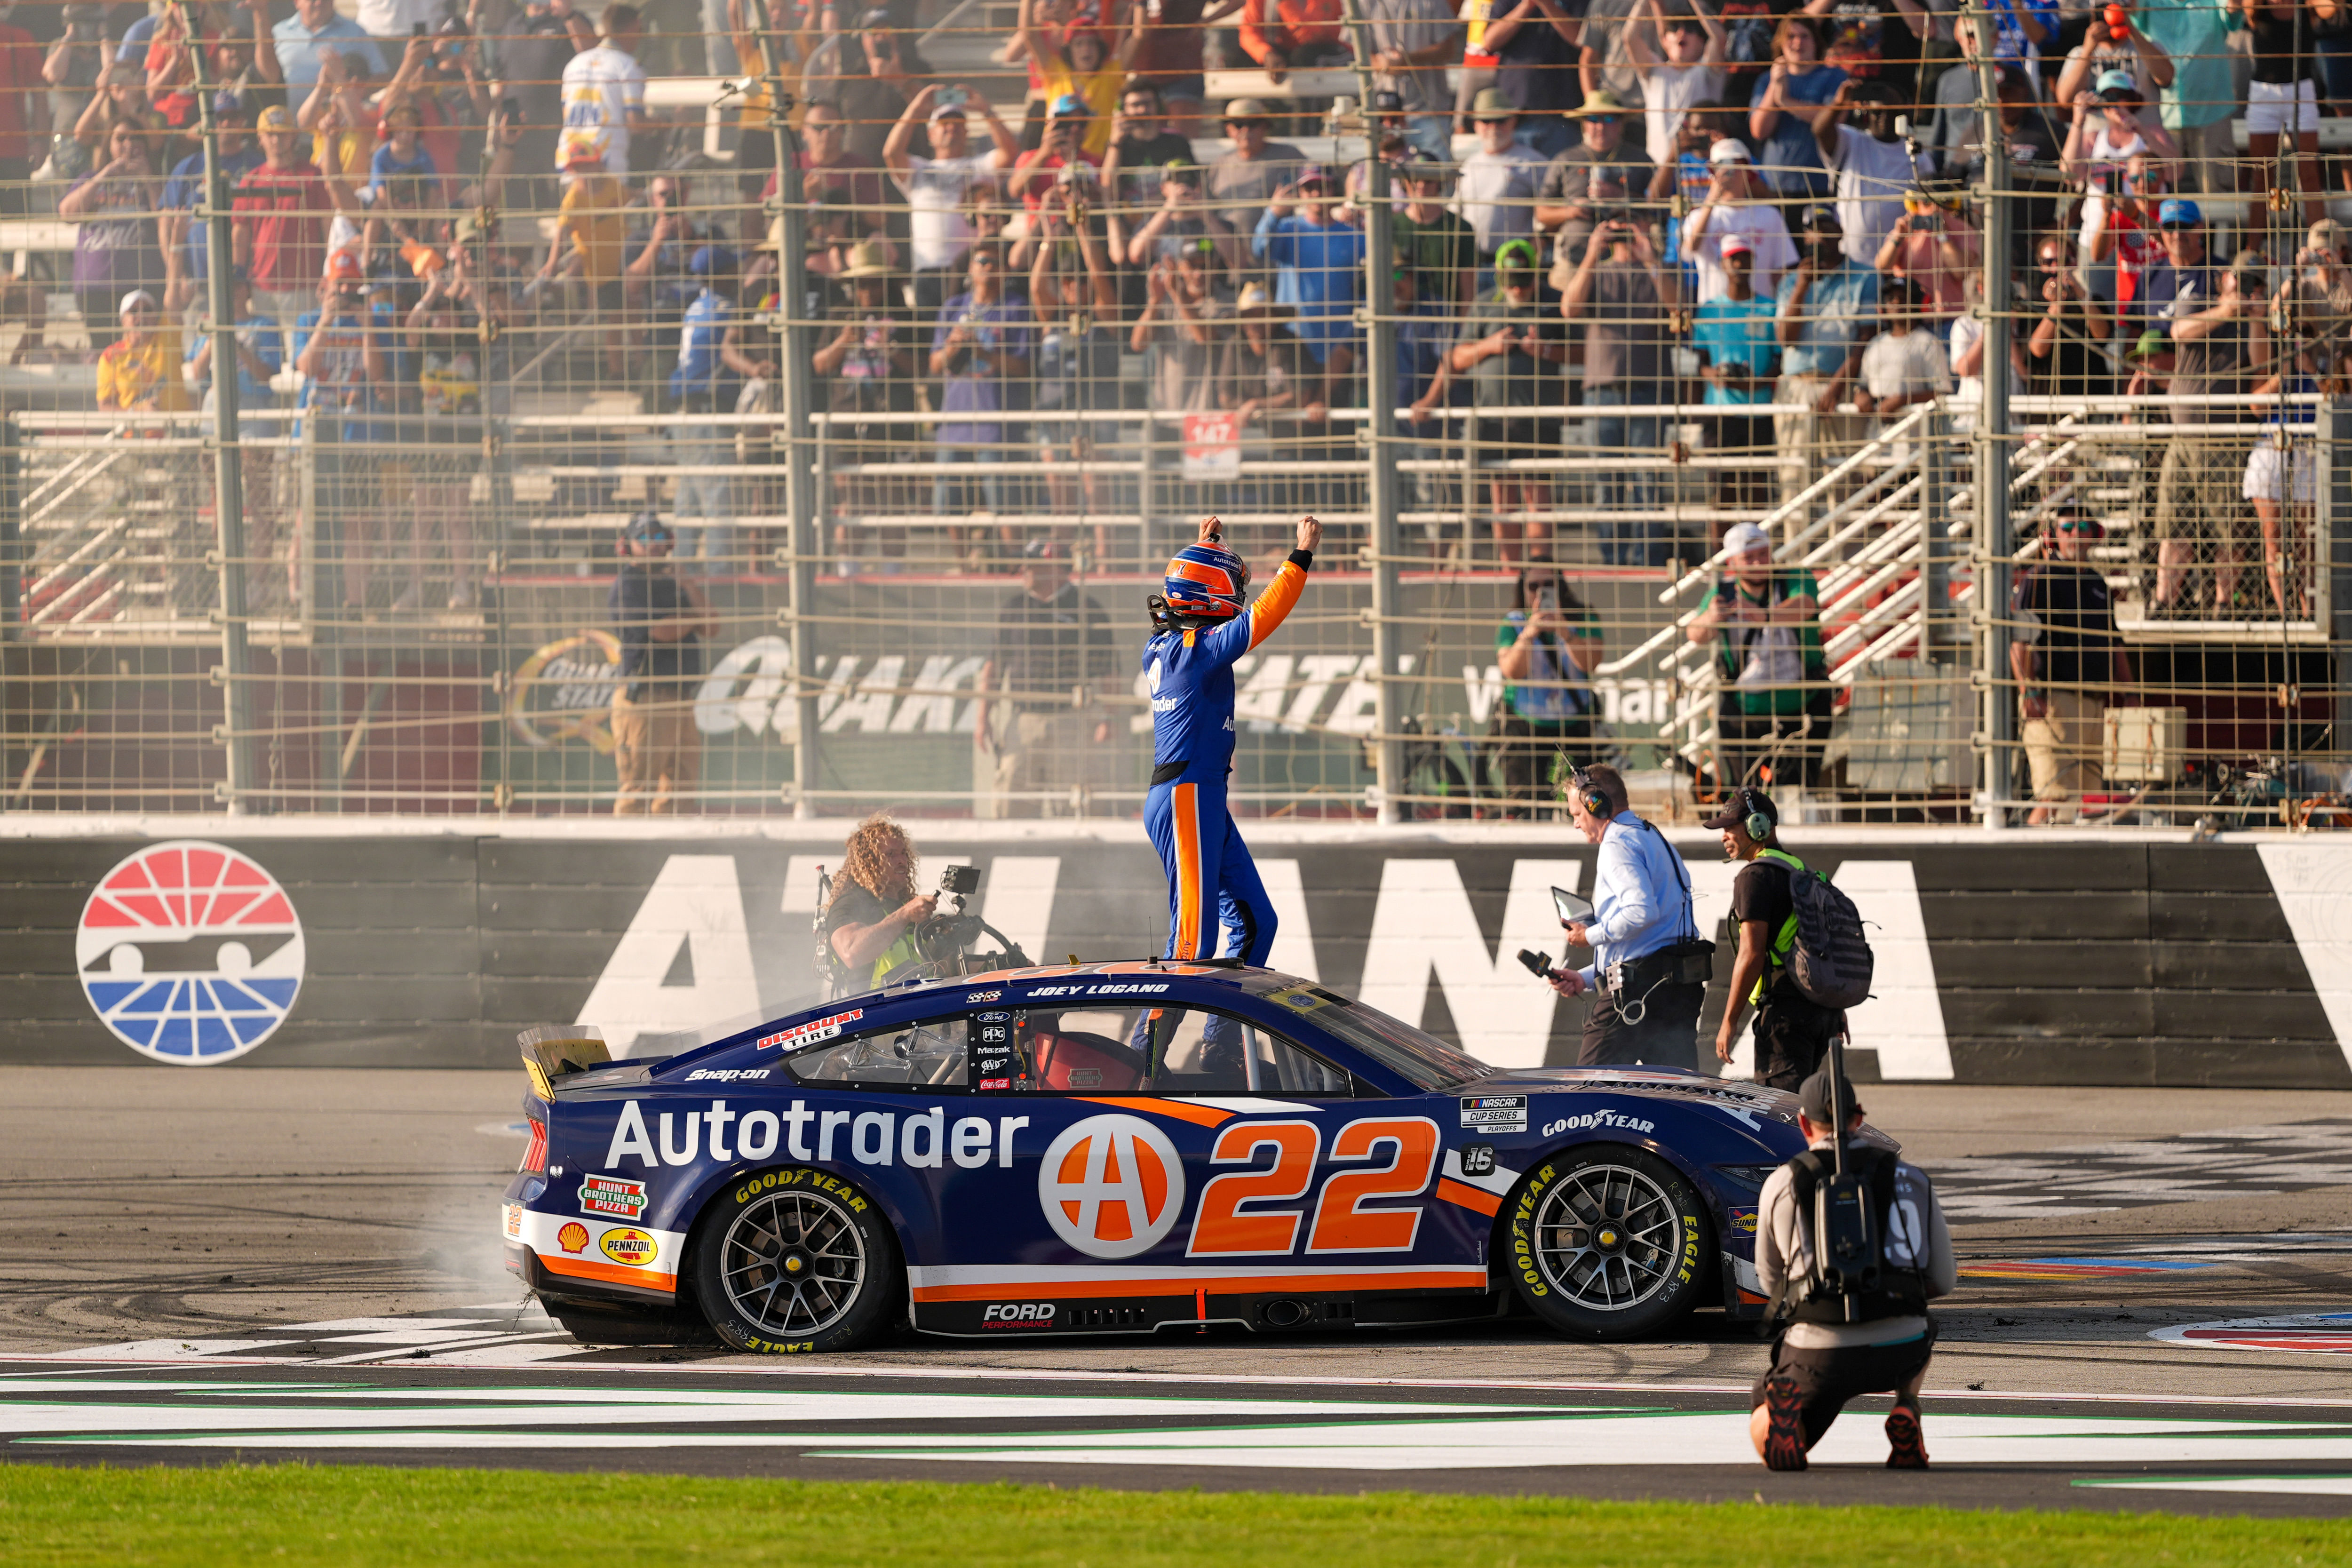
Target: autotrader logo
(1111,1186)
(190,952)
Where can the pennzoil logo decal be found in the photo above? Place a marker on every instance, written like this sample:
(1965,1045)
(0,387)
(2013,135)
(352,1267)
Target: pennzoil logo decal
(629,1248)
(611,1195)
(810,1032)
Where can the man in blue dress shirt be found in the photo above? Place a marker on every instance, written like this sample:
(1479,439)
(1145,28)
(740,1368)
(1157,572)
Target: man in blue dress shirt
(1649,967)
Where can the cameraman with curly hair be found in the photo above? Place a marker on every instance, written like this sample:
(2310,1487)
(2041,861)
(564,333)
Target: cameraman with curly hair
(867,931)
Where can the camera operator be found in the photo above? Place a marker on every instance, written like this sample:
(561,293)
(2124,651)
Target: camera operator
(867,930)
(1823,1359)
(1649,967)
(1792,1032)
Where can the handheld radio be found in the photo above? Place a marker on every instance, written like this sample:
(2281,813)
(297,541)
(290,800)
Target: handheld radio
(1842,1221)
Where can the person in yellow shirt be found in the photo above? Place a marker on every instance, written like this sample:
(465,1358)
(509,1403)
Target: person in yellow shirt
(140,372)
(1084,68)
(590,232)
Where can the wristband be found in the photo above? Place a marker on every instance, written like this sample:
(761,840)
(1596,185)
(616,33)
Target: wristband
(1303,559)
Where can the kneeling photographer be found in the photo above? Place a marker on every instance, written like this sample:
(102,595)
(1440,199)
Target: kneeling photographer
(1851,1246)
(1648,963)
(867,932)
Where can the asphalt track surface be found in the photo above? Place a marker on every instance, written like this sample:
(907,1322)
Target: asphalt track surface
(2154,1313)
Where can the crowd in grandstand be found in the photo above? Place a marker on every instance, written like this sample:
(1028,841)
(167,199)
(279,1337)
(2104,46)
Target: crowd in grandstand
(1750,216)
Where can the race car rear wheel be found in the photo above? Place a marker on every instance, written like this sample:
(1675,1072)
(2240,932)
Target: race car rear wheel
(793,1260)
(1607,1242)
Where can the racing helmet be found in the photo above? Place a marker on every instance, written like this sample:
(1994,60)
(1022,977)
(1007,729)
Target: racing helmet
(1206,579)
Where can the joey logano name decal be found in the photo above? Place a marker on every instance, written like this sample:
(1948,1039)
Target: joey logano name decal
(810,1032)
(1111,1186)
(922,1139)
(190,952)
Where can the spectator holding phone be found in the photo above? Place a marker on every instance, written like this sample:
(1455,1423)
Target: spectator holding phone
(2065,660)
(1546,649)
(1772,717)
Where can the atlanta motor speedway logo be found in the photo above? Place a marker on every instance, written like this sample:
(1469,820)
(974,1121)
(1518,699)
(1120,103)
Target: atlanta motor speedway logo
(190,952)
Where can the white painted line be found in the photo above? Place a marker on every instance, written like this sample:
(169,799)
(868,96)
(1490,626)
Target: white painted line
(2295,1486)
(165,1349)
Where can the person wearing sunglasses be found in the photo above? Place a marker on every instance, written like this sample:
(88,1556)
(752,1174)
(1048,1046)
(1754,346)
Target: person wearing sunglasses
(2066,659)
(662,620)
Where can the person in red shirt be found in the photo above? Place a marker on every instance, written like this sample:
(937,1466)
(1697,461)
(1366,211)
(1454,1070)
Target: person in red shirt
(280,213)
(24,112)
(1036,172)
(1302,33)
(2130,234)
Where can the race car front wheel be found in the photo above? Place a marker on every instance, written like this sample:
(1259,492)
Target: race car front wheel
(1607,1242)
(793,1260)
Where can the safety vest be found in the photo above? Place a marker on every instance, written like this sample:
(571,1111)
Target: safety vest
(1784,940)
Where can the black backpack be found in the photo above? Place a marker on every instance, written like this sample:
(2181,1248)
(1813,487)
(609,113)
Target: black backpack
(1888,1269)
(1831,962)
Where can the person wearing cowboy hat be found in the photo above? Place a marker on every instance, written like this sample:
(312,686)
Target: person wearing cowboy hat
(1533,45)
(867,365)
(1242,180)
(1498,182)
(1563,195)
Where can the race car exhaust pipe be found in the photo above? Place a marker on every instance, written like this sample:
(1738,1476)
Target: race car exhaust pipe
(1285,1314)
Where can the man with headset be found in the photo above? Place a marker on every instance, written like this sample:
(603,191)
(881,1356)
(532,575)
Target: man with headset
(1792,1031)
(1649,967)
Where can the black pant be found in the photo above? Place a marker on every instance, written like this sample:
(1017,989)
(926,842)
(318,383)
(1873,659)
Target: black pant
(1667,1035)
(1524,753)
(1788,744)
(1792,1035)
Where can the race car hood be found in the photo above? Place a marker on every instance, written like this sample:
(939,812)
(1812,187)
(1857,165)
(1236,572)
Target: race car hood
(1669,1084)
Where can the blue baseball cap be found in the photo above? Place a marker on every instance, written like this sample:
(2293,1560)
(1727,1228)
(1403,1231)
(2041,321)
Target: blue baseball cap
(1070,105)
(2180,212)
(232,103)
(710,259)
(646,527)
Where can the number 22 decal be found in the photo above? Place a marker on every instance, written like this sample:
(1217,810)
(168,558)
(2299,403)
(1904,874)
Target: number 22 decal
(1223,1228)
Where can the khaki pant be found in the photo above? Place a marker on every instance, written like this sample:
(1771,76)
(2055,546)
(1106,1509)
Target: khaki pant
(1036,750)
(1811,444)
(2065,748)
(657,750)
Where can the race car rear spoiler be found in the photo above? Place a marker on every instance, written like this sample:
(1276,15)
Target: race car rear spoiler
(551,1051)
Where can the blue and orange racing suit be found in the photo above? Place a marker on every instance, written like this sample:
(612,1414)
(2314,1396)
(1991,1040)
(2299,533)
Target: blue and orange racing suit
(1209,868)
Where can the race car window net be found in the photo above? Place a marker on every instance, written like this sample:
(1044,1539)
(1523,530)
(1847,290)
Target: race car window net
(930,1054)
(1422,1059)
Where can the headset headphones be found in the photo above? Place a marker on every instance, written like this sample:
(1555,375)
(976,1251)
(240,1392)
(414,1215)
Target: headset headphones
(1595,799)
(1759,826)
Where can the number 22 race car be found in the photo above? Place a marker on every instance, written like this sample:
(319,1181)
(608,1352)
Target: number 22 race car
(1117,1148)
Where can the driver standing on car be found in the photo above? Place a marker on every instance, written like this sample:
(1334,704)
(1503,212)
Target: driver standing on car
(1201,626)
(867,930)
(1649,965)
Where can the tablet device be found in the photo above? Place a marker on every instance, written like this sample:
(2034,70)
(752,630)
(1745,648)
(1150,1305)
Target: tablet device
(1574,907)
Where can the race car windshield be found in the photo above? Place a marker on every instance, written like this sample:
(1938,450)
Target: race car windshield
(1424,1061)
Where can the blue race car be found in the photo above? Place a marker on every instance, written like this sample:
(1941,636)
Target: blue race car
(1114,1148)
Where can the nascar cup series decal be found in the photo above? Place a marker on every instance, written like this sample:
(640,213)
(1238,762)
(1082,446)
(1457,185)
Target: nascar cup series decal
(1111,1186)
(190,952)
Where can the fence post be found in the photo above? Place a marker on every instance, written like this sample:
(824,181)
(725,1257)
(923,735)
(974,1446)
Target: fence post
(2332,521)
(1996,546)
(12,566)
(801,504)
(228,471)
(1936,632)
(1388,545)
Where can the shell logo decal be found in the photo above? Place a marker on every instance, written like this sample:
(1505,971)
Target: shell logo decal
(630,1248)
(190,952)
(573,1237)
(1111,1186)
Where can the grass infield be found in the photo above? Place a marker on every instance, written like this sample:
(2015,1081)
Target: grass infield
(238,1514)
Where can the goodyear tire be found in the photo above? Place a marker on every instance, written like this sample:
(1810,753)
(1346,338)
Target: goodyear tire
(1607,1242)
(793,1260)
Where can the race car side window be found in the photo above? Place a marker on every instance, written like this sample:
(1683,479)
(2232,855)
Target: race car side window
(930,1056)
(1174,1051)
